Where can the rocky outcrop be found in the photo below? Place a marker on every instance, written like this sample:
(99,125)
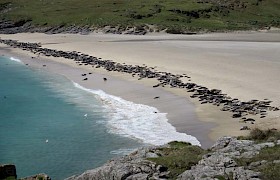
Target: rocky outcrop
(41,176)
(221,162)
(8,170)
(133,30)
(133,166)
(10,27)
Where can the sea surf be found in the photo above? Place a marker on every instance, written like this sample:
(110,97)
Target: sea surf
(54,125)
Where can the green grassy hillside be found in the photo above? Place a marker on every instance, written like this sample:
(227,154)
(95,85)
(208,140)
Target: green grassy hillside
(176,15)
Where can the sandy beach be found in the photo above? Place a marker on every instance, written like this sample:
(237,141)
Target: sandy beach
(244,65)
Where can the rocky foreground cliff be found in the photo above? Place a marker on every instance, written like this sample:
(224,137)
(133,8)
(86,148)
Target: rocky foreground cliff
(229,158)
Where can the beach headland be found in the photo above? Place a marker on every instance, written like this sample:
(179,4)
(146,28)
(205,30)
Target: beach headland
(242,65)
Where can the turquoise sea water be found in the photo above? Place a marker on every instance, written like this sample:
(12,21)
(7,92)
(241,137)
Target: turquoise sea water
(53,125)
(36,107)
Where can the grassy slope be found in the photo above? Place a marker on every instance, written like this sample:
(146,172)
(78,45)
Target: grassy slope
(174,14)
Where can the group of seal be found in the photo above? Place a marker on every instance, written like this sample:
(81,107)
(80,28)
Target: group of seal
(239,109)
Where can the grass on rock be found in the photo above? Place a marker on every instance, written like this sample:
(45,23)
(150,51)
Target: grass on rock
(178,157)
(269,170)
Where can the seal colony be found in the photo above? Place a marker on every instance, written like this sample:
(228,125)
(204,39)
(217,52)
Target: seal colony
(238,108)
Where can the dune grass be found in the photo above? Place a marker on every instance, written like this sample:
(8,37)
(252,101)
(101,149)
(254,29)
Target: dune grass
(180,15)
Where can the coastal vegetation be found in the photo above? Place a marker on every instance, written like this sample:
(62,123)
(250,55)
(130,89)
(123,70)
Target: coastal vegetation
(269,169)
(267,158)
(263,135)
(177,16)
(179,156)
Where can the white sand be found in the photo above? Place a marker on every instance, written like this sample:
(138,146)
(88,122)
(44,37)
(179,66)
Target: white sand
(243,65)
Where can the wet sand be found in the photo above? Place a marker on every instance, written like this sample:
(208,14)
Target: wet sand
(180,112)
(243,65)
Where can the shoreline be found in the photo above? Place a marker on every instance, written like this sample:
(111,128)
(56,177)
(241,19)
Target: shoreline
(229,70)
(182,118)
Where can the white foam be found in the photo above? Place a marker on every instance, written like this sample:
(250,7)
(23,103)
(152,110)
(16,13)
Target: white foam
(122,151)
(72,95)
(138,121)
(15,59)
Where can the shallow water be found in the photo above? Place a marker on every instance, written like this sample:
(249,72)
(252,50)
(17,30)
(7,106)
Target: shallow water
(53,125)
(37,106)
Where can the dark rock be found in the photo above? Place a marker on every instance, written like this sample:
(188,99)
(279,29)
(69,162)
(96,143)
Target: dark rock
(8,170)
(161,168)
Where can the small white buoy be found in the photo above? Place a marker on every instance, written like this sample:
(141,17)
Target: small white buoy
(47,140)
(85,115)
